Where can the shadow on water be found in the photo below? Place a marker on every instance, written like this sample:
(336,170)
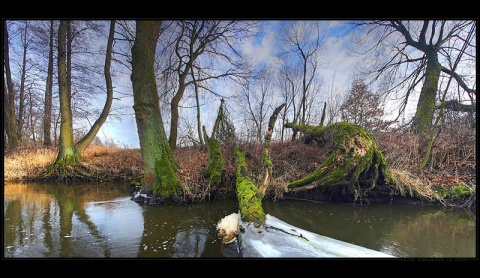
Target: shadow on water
(100,221)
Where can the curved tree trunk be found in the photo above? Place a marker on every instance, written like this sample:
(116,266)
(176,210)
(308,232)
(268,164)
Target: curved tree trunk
(158,161)
(355,165)
(87,139)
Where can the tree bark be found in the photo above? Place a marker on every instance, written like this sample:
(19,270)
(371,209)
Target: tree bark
(267,163)
(47,114)
(66,154)
(456,106)
(423,119)
(21,102)
(10,117)
(158,161)
(197,101)
(249,201)
(355,165)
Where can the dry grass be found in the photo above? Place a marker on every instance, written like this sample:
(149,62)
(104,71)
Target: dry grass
(20,164)
(107,162)
(453,162)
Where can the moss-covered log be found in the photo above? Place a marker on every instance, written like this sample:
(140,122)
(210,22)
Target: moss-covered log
(213,172)
(249,201)
(355,165)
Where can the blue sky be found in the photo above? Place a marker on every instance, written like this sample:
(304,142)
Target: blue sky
(337,71)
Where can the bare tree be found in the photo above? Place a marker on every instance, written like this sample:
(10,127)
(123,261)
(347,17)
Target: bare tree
(255,99)
(412,54)
(11,121)
(289,94)
(47,116)
(209,48)
(303,40)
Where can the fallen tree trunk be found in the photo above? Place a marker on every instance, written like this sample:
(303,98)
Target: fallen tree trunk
(249,201)
(355,165)
(248,194)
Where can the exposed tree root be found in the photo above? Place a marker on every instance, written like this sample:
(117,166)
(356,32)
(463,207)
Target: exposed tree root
(72,173)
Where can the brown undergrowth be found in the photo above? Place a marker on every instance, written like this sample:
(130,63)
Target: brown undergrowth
(453,163)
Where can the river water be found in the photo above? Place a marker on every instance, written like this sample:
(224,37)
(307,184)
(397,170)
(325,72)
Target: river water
(100,221)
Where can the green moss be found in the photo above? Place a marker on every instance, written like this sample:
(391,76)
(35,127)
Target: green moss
(354,162)
(213,172)
(67,156)
(267,162)
(454,192)
(249,202)
(168,184)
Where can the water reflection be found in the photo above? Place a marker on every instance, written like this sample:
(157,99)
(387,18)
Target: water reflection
(70,221)
(400,230)
(100,221)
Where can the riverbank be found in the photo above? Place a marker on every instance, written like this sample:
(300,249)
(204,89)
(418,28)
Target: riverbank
(451,181)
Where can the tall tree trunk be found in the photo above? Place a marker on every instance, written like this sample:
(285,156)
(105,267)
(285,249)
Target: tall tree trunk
(21,103)
(31,120)
(11,120)
(175,116)
(66,154)
(158,161)
(423,119)
(69,59)
(422,122)
(47,114)
(199,124)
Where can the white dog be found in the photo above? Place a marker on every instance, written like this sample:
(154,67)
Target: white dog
(228,228)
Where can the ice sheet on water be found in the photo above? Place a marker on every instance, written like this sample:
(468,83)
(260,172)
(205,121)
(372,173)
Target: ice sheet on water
(280,239)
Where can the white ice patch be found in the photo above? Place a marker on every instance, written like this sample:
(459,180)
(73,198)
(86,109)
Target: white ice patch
(280,239)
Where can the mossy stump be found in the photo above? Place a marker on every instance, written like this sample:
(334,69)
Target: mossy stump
(355,164)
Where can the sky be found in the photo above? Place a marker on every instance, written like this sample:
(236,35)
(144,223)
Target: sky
(337,71)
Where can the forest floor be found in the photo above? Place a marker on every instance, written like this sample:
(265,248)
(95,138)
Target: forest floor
(450,165)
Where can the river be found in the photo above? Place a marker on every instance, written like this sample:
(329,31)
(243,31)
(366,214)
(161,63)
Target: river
(100,221)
